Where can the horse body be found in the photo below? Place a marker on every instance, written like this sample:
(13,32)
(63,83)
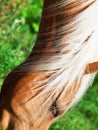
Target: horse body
(59,69)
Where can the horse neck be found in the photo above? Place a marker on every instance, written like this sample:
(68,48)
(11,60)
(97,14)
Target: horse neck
(63,32)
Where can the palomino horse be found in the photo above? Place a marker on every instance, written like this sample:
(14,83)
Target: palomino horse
(60,68)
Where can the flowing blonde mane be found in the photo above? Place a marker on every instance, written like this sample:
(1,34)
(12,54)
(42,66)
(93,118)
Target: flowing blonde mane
(76,46)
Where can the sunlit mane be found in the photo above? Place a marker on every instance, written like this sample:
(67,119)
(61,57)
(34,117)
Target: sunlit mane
(76,46)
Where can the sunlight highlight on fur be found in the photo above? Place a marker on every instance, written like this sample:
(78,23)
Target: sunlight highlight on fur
(77,43)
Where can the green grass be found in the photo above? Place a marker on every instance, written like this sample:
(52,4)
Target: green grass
(19,23)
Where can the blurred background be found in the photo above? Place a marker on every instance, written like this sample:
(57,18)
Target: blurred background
(19,24)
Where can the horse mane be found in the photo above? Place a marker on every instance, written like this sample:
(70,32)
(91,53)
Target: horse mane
(63,51)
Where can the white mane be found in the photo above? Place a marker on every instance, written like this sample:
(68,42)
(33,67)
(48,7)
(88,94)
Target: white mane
(79,48)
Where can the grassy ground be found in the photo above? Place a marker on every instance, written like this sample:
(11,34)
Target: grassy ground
(19,20)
